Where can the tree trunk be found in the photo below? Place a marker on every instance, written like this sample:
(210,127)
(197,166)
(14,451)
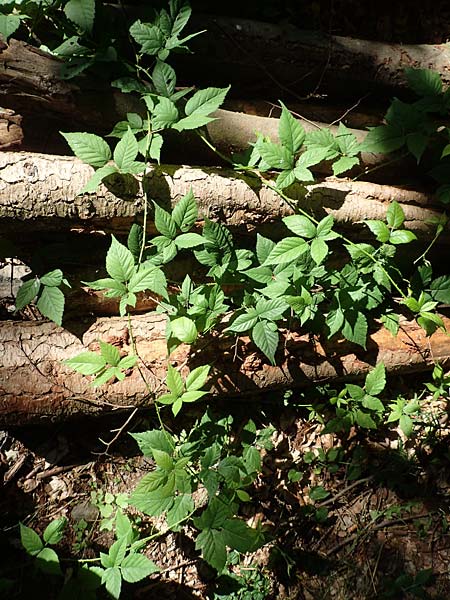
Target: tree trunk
(39,193)
(30,83)
(36,386)
(262,59)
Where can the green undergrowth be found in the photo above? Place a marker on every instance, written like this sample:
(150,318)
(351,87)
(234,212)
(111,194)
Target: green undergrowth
(313,280)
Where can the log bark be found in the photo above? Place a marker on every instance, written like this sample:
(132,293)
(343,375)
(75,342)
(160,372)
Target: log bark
(262,59)
(40,192)
(11,134)
(35,385)
(30,83)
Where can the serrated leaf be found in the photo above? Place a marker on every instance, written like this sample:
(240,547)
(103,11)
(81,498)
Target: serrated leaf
(51,303)
(264,246)
(406,425)
(204,102)
(395,215)
(184,329)
(54,531)
(86,363)
(189,240)
(318,493)
(343,164)
(373,404)
(163,460)
(300,225)
(89,148)
(290,131)
(135,239)
(365,420)
(285,179)
(153,439)
(185,212)
(192,396)
(238,535)
(174,381)
(183,505)
(164,79)
(197,378)
(402,236)
(379,229)
(47,561)
(192,122)
(9,24)
(96,179)
(416,143)
(164,114)
(126,151)
(243,322)
(30,540)
(52,278)
(355,328)
(164,222)
(82,13)
(136,567)
(266,338)
(319,250)
(110,353)
(119,261)
(276,156)
(425,82)
(213,548)
(150,37)
(287,250)
(150,278)
(27,293)
(112,579)
(383,139)
(376,380)
(391,322)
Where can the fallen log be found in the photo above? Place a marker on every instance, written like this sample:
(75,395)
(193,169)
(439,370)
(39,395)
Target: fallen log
(269,60)
(35,385)
(40,192)
(11,134)
(30,83)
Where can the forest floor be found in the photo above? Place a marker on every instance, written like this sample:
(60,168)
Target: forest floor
(356,517)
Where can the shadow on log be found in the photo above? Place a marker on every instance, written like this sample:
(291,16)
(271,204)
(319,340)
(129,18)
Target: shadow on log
(35,385)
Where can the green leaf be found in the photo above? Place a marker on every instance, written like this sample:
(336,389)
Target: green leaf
(238,535)
(243,322)
(136,567)
(416,143)
(319,250)
(391,322)
(135,239)
(184,329)
(290,131)
(164,114)
(9,24)
(174,381)
(318,493)
(197,378)
(47,561)
(89,148)
(164,222)
(192,122)
(110,353)
(114,288)
(395,215)
(97,178)
(346,142)
(153,439)
(212,545)
(126,151)
(402,236)
(365,420)
(300,225)
(150,37)
(182,507)
(276,156)
(286,251)
(112,579)
(440,289)
(27,293)
(30,540)
(82,13)
(150,278)
(264,246)
(86,363)
(425,82)
(345,163)
(164,79)
(54,531)
(373,404)
(355,328)
(51,303)
(379,229)
(53,278)
(406,425)
(163,460)
(204,102)
(185,212)
(189,240)
(383,139)
(285,179)
(265,336)
(376,380)
(119,261)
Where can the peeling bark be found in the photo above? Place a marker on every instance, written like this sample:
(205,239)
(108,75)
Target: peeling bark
(39,192)
(35,385)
